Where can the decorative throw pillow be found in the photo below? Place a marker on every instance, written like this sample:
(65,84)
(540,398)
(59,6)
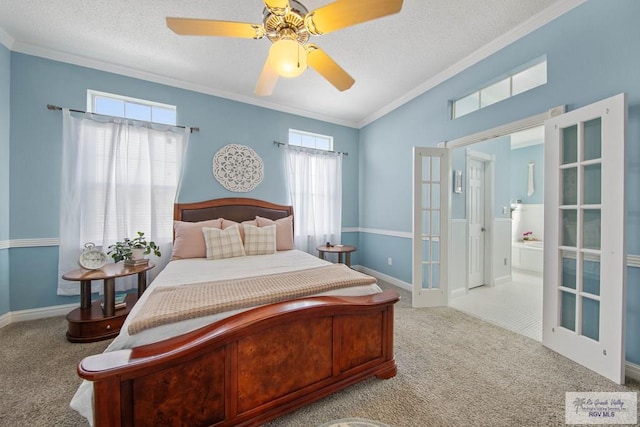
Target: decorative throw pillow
(259,241)
(188,240)
(284,231)
(226,223)
(223,243)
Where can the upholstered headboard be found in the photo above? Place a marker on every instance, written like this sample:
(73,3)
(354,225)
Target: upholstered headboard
(234,208)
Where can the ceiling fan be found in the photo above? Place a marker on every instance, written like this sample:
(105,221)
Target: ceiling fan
(289,25)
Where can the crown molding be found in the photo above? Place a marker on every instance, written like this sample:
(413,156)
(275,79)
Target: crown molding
(82,61)
(530,25)
(525,28)
(6,39)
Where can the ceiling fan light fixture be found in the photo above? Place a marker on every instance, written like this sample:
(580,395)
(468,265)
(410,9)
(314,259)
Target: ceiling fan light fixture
(288,58)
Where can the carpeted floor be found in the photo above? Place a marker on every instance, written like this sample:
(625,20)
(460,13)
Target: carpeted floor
(453,370)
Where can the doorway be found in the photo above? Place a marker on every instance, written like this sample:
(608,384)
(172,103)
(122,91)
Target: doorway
(504,284)
(582,319)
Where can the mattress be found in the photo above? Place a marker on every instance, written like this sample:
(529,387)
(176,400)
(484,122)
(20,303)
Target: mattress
(199,270)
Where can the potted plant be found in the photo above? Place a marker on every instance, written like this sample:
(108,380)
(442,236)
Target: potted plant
(132,249)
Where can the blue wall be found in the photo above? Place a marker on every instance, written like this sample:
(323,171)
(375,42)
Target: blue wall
(519,182)
(5,70)
(500,150)
(36,156)
(592,55)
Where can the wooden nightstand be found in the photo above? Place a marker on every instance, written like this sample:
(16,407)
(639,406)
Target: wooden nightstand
(337,249)
(90,322)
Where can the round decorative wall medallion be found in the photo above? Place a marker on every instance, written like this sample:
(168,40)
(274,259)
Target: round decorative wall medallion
(238,168)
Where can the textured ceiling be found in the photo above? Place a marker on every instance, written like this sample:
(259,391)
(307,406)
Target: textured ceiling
(391,59)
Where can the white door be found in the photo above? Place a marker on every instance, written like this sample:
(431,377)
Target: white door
(475,196)
(584,251)
(431,201)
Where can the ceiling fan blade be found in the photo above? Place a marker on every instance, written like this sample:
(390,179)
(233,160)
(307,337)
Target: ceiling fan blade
(267,81)
(345,13)
(328,68)
(205,27)
(277,7)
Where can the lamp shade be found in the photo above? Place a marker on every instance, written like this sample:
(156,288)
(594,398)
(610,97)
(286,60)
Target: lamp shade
(288,58)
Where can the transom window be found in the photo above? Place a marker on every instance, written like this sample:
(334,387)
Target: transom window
(516,83)
(131,108)
(310,140)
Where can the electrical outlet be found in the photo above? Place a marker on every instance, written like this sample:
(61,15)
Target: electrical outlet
(390,261)
(505,261)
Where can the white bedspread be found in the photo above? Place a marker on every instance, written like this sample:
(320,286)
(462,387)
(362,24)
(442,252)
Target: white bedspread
(200,270)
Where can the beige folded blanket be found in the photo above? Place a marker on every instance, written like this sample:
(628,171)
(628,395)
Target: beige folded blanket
(175,303)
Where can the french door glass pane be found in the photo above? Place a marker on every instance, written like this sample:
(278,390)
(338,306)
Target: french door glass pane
(426,276)
(426,194)
(426,168)
(591,318)
(570,186)
(591,228)
(568,272)
(593,139)
(570,145)
(426,223)
(435,193)
(426,254)
(435,162)
(592,184)
(568,310)
(435,251)
(591,274)
(569,227)
(435,269)
(435,222)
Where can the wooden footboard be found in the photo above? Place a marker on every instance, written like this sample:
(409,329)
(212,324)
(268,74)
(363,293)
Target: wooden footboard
(249,368)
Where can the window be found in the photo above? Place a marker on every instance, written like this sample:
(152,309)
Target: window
(314,181)
(118,179)
(310,140)
(516,83)
(130,108)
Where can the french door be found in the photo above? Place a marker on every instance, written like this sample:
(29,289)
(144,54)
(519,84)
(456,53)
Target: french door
(584,251)
(431,192)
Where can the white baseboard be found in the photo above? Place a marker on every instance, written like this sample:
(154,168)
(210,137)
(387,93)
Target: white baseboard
(36,313)
(502,280)
(5,320)
(384,277)
(458,292)
(632,371)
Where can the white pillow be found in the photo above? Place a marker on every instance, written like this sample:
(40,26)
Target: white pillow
(259,240)
(223,243)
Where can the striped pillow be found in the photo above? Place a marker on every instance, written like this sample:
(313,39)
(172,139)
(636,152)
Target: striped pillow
(259,240)
(223,243)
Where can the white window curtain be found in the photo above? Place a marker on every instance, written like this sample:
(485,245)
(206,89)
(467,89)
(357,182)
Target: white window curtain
(314,181)
(118,177)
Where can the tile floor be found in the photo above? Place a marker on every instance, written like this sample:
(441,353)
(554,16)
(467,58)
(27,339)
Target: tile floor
(516,306)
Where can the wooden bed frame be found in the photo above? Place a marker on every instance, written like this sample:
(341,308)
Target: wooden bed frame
(249,368)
